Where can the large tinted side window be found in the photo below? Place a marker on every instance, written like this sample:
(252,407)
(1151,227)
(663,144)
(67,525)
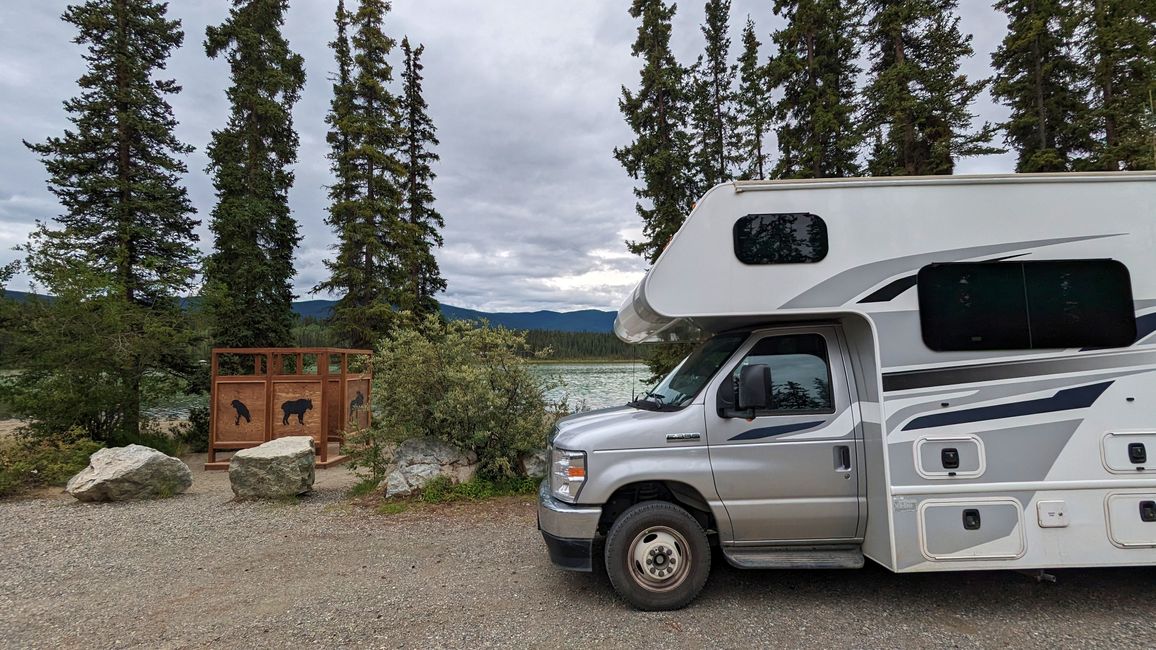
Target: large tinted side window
(1026,305)
(791,238)
(800,372)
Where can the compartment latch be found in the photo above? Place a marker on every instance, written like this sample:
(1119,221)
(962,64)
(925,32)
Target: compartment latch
(971,517)
(1137,453)
(949,458)
(1148,511)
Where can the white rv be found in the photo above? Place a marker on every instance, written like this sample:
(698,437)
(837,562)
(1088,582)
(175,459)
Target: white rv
(938,374)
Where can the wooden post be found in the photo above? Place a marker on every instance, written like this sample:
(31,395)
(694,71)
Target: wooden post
(213,367)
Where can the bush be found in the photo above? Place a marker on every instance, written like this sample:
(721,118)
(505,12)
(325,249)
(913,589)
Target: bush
(464,383)
(48,460)
(193,436)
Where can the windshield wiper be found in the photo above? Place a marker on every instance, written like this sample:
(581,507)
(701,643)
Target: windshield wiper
(652,401)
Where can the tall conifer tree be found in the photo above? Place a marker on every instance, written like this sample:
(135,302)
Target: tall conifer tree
(124,246)
(713,116)
(248,277)
(918,103)
(657,112)
(815,68)
(1039,79)
(366,200)
(1119,50)
(423,277)
(754,109)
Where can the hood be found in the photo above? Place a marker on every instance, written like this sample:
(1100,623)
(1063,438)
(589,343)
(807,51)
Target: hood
(625,427)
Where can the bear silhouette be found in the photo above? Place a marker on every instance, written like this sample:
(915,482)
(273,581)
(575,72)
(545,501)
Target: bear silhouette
(356,404)
(242,412)
(296,407)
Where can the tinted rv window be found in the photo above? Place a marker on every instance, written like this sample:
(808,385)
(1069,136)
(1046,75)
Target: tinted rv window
(1026,305)
(800,372)
(793,238)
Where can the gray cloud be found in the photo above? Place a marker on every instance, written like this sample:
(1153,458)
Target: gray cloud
(525,97)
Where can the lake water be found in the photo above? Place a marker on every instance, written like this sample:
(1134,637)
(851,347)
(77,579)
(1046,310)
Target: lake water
(594,385)
(589,385)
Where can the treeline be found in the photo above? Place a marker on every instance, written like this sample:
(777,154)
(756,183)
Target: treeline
(602,346)
(1079,78)
(124,249)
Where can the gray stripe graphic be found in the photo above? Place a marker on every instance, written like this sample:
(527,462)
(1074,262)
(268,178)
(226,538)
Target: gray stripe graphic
(897,381)
(998,391)
(843,287)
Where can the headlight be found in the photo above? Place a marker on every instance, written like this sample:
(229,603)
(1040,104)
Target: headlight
(567,473)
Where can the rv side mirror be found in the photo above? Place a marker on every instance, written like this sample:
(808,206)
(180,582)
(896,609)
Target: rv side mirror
(754,388)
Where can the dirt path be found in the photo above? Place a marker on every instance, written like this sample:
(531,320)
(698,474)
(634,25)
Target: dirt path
(199,570)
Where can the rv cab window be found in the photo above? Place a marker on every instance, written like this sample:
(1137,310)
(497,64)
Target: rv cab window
(800,372)
(792,238)
(1045,304)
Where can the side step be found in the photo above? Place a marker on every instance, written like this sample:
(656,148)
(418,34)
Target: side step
(786,557)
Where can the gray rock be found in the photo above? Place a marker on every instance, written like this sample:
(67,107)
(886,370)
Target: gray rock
(277,469)
(127,473)
(419,460)
(535,463)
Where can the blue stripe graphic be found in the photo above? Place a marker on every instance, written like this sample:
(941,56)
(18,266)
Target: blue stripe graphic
(767,432)
(1064,400)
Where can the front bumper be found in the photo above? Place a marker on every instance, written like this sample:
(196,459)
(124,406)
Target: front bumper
(568,530)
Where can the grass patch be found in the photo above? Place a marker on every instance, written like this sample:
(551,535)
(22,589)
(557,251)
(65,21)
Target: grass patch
(363,488)
(443,490)
(393,507)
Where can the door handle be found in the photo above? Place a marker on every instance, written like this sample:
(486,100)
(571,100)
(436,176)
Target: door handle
(842,458)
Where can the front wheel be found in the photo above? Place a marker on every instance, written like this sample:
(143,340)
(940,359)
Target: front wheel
(657,556)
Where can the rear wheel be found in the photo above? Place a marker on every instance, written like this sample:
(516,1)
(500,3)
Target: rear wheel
(657,556)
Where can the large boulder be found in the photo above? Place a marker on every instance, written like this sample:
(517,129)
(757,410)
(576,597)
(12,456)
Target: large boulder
(132,472)
(420,460)
(535,463)
(277,469)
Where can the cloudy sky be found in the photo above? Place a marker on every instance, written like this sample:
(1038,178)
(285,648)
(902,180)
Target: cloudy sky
(524,94)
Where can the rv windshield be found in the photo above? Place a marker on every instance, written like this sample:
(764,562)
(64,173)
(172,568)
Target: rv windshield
(679,387)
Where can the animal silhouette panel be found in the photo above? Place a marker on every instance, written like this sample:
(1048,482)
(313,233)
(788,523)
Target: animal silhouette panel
(239,411)
(297,409)
(357,409)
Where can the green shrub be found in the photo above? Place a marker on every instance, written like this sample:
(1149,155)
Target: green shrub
(464,383)
(27,462)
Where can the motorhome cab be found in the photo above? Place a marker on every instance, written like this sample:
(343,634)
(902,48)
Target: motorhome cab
(938,374)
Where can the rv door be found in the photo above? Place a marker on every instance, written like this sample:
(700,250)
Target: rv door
(788,472)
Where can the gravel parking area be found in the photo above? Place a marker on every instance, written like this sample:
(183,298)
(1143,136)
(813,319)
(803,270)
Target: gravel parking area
(199,570)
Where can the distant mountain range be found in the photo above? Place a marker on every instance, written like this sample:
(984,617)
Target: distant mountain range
(585,320)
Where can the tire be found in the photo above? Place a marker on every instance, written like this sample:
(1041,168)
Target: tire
(657,556)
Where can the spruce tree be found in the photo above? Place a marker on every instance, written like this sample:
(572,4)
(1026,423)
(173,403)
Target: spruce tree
(365,201)
(753,109)
(123,248)
(713,116)
(918,103)
(657,113)
(424,280)
(1038,78)
(660,155)
(248,288)
(815,68)
(1119,50)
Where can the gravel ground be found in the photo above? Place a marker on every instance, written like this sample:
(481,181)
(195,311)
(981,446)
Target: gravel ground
(199,570)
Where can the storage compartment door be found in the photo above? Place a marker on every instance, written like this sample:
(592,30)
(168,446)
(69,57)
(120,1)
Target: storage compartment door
(1132,519)
(982,529)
